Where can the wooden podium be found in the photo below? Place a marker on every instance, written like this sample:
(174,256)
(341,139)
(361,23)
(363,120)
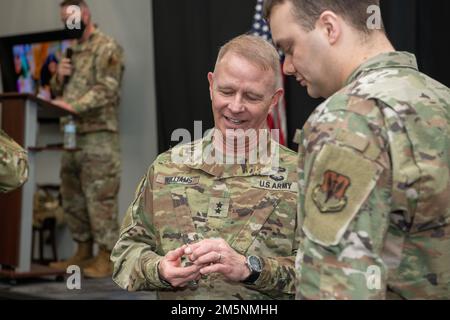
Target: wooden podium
(21,114)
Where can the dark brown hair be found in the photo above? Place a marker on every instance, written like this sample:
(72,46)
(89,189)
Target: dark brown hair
(308,11)
(79,3)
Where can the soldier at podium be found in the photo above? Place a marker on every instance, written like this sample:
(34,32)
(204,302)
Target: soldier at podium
(13,164)
(89,84)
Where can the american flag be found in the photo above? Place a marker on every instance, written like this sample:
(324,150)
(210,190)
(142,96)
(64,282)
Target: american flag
(277,117)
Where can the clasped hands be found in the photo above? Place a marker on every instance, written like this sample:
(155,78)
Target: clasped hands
(207,256)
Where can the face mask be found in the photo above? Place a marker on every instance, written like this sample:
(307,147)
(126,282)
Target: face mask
(75,33)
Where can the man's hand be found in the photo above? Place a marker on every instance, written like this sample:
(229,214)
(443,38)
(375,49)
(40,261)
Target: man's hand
(171,270)
(216,255)
(64,105)
(64,69)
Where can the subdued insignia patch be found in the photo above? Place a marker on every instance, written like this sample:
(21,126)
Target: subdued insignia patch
(184,180)
(218,207)
(340,182)
(279,175)
(329,196)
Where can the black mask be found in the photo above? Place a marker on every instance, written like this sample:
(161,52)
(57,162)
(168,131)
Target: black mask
(75,33)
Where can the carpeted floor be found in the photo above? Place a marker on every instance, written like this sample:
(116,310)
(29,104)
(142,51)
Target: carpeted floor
(51,289)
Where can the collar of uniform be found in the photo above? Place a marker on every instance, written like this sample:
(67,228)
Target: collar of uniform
(395,59)
(222,171)
(78,47)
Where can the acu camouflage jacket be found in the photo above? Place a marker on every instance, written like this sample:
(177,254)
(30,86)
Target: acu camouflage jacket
(94,87)
(252,207)
(374,187)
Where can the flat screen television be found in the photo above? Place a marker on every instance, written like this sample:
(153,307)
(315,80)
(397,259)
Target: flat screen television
(29,61)
(35,64)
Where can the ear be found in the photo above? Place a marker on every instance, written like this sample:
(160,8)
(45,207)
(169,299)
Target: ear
(85,14)
(211,83)
(276,98)
(331,26)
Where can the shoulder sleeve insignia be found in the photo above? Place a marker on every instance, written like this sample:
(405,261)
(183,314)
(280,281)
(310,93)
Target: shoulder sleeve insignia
(330,197)
(338,186)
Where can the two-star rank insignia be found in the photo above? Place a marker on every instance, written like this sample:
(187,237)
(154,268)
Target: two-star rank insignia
(218,207)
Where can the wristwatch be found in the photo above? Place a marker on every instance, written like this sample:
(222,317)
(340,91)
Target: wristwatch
(255,265)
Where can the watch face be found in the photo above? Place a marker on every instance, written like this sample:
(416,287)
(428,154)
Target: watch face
(255,263)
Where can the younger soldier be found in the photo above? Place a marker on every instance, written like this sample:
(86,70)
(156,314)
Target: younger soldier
(374,163)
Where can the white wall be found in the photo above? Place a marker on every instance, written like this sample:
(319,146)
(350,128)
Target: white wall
(130,23)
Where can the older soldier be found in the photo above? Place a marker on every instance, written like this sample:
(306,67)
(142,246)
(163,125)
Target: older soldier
(374,161)
(224,230)
(13,164)
(91,176)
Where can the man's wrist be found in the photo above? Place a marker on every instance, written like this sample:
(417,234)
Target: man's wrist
(255,267)
(163,281)
(59,79)
(247,272)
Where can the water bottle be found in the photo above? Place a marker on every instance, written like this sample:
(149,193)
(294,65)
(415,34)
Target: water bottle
(70,134)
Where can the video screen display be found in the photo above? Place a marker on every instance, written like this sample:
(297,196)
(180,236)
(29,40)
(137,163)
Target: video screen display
(35,64)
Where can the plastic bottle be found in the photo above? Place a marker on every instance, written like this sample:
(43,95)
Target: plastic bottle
(70,134)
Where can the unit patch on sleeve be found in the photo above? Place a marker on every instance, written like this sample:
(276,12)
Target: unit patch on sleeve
(338,186)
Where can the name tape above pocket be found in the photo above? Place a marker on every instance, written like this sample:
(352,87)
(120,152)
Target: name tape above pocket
(184,180)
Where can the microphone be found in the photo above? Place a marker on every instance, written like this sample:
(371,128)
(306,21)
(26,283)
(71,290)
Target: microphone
(69,53)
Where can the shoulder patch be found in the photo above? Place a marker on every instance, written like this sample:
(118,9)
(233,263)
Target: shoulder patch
(330,196)
(340,183)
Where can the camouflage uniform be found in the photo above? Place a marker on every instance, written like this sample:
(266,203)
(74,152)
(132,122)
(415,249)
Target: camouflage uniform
(91,177)
(13,164)
(252,207)
(374,187)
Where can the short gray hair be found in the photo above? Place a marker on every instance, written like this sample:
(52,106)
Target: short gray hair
(256,50)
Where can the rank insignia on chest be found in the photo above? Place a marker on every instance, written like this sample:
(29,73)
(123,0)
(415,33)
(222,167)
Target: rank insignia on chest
(329,197)
(218,207)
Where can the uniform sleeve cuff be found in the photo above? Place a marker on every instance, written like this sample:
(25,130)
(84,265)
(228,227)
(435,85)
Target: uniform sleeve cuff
(264,276)
(153,275)
(77,107)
